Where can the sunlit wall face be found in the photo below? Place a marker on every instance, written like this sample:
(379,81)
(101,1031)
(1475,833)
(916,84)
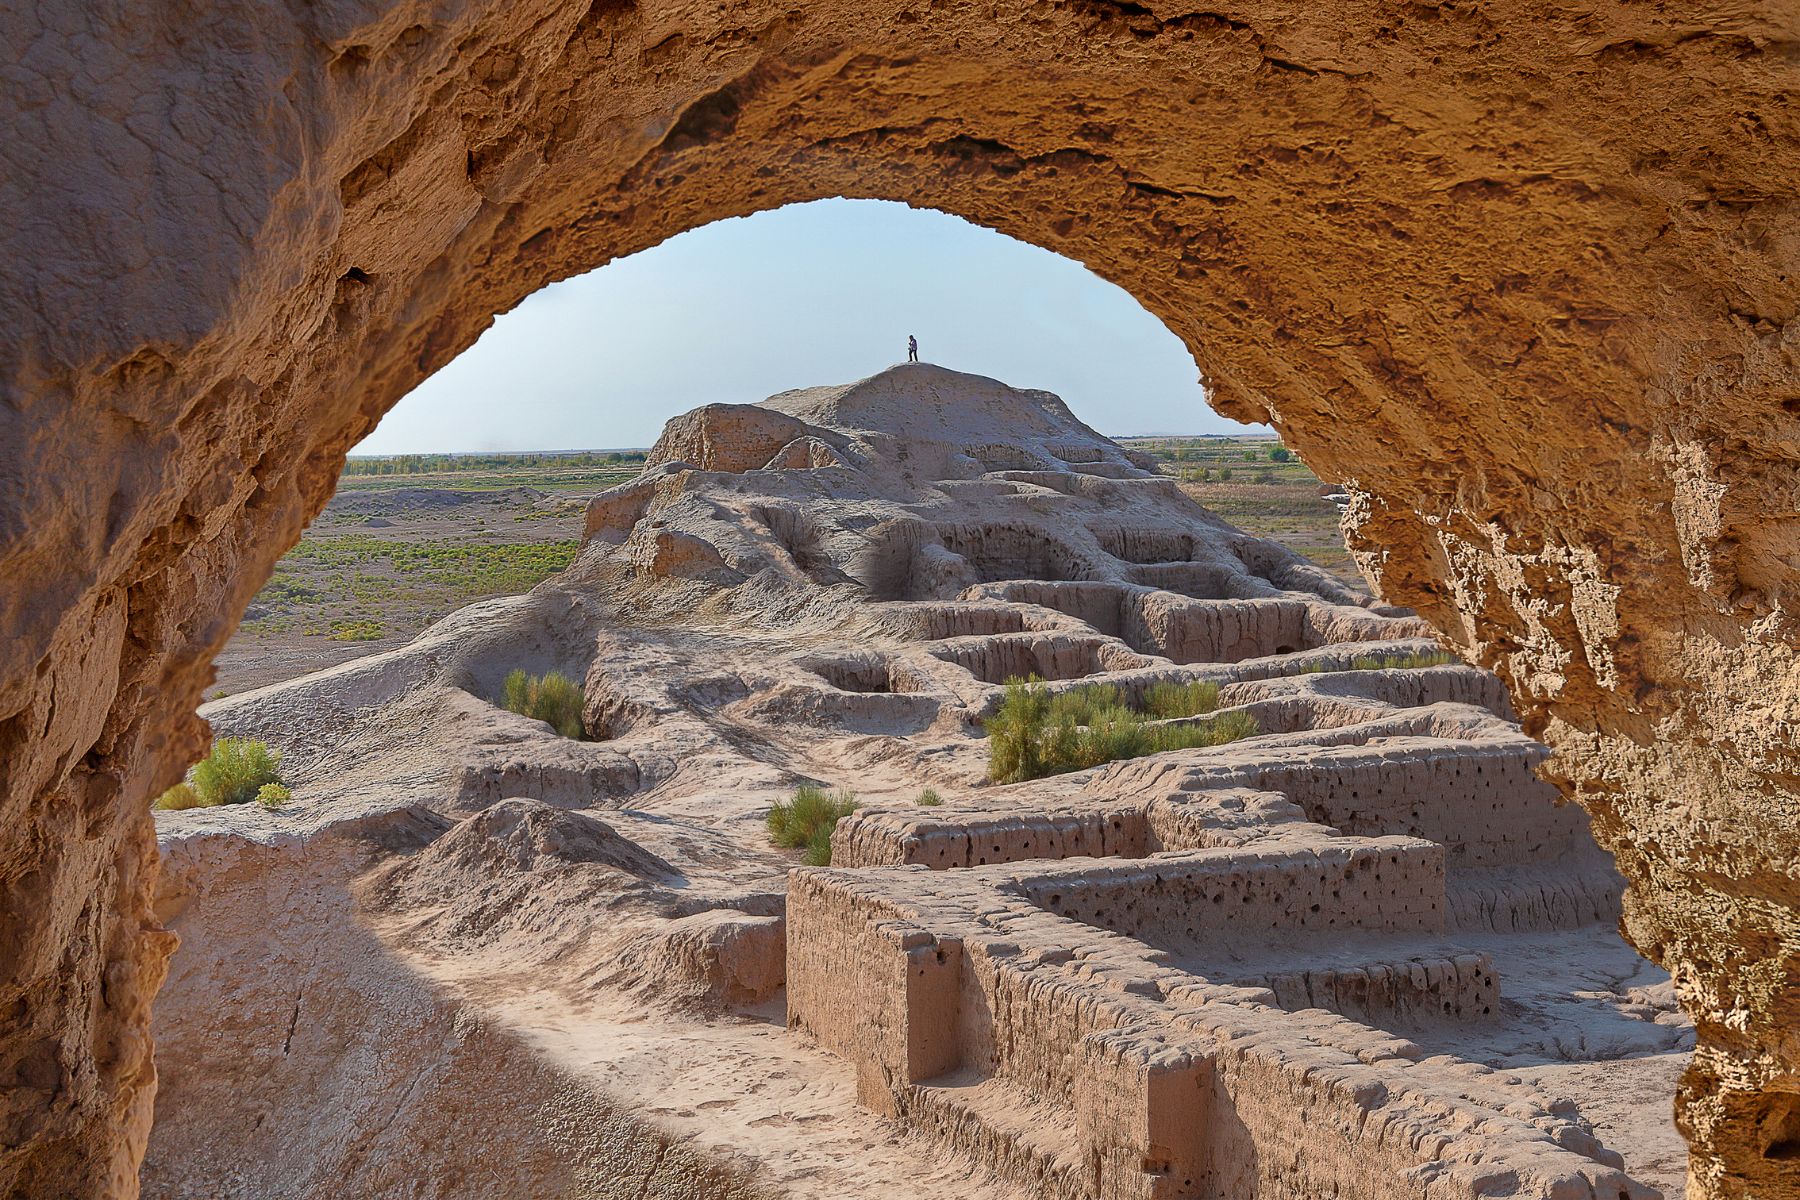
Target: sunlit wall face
(810,294)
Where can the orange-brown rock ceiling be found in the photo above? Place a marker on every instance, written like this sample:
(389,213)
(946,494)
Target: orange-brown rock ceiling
(1524,274)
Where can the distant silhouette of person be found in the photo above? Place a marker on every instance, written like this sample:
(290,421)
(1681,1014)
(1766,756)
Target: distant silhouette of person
(912,348)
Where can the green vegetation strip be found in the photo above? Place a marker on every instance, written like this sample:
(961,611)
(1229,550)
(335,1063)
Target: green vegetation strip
(806,821)
(473,566)
(1385,662)
(1035,733)
(487,464)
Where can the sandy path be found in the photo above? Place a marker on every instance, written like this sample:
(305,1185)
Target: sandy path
(739,1088)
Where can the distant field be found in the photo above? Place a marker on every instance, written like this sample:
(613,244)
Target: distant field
(586,471)
(410,538)
(1238,479)
(405,541)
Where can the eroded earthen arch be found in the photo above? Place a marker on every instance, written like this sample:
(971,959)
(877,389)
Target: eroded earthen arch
(1525,275)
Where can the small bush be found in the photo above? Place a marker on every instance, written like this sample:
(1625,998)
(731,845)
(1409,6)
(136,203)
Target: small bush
(806,821)
(273,795)
(1034,734)
(929,798)
(553,698)
(1387,662)
(235,771)
(1280,454)
(1165,700)
(181,796)
(818,846)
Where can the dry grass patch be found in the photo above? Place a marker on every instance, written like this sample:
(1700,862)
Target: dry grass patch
(806,821)
(553,698)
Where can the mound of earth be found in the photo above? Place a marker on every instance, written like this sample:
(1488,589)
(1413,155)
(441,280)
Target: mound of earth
(1362,928)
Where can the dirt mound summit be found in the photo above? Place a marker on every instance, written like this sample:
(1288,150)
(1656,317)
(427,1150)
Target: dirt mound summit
(523,835)
(919,483)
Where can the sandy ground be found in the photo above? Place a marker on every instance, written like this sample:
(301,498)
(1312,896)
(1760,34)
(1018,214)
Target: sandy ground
(284,637)
(739,1087)
(1586,1017)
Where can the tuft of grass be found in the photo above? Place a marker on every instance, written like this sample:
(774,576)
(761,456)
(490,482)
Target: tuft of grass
(553,698)
(234,772)
(1165,700)
(273,795)
(356,631)
(818,846)
(806,821)
(1386,662)
(1035,733)
(181,796)
(929,798)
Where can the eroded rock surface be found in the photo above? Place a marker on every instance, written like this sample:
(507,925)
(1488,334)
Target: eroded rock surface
(1360,951)
(1521,275)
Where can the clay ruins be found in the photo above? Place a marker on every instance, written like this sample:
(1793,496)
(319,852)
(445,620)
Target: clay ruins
(1521,278)
(1356,953)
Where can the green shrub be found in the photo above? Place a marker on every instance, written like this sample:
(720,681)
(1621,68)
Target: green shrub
(1386,662)
(273,795)
(1401,662)
(806,821)
(553,698)
(235,771)
(181,796)
(1164,700)
(1035,733)
(929,798)
(1280,454)
(818,846)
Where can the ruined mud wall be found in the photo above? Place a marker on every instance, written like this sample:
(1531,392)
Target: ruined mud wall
(1524,275)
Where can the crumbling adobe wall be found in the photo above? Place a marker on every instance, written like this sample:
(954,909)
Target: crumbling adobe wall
(1523,275)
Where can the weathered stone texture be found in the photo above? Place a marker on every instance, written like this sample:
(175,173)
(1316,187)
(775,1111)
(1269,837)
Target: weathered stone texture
(1523,274)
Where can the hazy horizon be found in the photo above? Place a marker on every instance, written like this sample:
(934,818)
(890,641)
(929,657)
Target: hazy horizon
(1249,432)
(802,296)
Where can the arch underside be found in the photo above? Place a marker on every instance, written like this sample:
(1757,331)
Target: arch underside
(1523,277)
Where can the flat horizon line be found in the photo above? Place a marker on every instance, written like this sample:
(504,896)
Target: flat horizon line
(646,449)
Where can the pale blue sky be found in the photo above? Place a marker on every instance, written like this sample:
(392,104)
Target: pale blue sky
(811,294)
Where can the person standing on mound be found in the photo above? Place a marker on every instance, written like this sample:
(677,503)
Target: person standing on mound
(912,348)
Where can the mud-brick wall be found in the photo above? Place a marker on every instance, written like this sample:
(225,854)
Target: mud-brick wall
(1459,987)
(870,985)
(872,839)
(1374,884)
(1483,803)
(1203,631)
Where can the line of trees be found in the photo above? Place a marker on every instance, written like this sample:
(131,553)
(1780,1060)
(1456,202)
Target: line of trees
(438,464)
(1214,451)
